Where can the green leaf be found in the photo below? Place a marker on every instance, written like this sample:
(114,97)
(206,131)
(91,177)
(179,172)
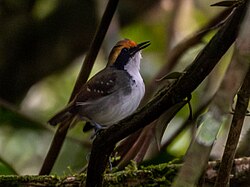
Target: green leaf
(6,169)
(208,129)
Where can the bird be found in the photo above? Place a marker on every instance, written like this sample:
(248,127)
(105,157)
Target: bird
(113,93)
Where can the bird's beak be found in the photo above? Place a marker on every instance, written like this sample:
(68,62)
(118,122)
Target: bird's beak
(143,45)
(139,47)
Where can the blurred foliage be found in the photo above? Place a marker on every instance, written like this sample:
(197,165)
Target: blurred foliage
(5,169)
(25,136)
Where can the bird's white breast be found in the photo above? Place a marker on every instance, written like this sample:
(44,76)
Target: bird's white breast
(121,105)
(117,106)
(131,101)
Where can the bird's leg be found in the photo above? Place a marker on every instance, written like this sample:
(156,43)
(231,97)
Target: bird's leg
(97,128)
(110,163)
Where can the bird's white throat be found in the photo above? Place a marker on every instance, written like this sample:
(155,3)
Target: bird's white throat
(133,66)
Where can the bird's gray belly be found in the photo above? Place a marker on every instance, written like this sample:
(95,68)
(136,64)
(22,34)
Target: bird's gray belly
(113,108)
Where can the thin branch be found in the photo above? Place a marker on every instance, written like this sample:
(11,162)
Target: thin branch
(105,142)
(129,145)
(88,63)
(234,133)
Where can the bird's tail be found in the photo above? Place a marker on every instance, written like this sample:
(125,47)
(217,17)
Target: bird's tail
(62,115)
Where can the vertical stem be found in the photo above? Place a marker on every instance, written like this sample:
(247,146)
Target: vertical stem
(88,63)
(95,46)
(223,177)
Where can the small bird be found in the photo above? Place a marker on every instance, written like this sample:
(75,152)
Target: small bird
(113,93)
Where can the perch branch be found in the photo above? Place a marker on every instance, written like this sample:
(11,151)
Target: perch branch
(158,175)
(105,142)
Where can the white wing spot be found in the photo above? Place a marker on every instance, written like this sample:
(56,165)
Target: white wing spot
(98,91)
(107,83)
(80,103)
(111,81)
(88,89)
(102,82)
(102,91)
(94,90)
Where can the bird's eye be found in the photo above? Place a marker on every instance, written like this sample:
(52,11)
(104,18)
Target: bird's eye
(125,50)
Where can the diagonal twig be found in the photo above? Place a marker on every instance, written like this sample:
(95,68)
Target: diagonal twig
(88,63)
(129,147)
(234,133)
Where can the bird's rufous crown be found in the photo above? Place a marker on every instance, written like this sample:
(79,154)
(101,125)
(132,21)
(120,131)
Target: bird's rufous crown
(126,43)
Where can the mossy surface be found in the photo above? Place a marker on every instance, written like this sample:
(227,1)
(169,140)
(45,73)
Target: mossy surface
(159,175)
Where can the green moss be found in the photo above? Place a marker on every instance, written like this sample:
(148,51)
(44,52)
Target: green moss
(150,176)
(14,180)
(159,175)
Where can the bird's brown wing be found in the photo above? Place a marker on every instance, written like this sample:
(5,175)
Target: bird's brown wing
(102,84)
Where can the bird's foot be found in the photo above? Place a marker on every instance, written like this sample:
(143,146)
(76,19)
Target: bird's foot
(98,128)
